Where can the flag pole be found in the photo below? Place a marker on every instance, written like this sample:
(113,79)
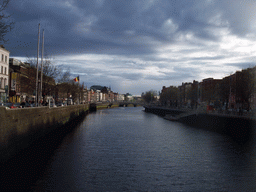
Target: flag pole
(79,89)
(41,84)
(36,99)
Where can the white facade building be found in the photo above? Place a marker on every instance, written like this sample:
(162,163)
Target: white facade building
(130,97)
(120,97)
(4,74)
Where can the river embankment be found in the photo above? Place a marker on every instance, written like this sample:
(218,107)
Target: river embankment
(105,106)
(240,128)
(126,149)
(21,127)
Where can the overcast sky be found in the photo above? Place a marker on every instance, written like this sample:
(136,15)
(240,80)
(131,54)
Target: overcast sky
(135,46)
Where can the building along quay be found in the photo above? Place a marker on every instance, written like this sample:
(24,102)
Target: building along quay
(239,127)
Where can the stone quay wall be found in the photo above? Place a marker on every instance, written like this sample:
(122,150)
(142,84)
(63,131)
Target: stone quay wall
(20,127)
(240,128)
(161,111)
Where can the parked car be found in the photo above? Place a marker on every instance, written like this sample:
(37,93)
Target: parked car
(10,105)
(27,105)
(60,104)
(52,105)
(70,102)
(17,105)
(22,104)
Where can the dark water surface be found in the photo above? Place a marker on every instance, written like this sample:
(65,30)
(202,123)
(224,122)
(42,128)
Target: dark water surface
(126,149)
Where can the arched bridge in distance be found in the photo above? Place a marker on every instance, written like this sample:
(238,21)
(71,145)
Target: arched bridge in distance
(126,103)
(93,106)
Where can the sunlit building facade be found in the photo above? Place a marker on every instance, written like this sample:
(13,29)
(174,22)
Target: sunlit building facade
(4,74)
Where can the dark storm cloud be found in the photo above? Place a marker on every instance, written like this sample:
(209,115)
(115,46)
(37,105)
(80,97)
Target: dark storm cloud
(113,27)
(137,40)
(239,15)
(130,76)
(241,65)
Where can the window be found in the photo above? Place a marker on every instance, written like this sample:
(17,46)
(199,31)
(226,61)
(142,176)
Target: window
(2,69)
(2,57)
(5,59)
(5,71)
(5,82)
(1,79)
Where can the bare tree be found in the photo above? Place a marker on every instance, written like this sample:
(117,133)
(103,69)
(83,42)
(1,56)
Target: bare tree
(5,24)
(65,77)
(225,88)
(149,96)
(169,96)
(49,68)
(50,73)
(64,85)
(75,91)
(245,86)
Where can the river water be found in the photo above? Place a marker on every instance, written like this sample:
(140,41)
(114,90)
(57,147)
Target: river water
(126,149)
